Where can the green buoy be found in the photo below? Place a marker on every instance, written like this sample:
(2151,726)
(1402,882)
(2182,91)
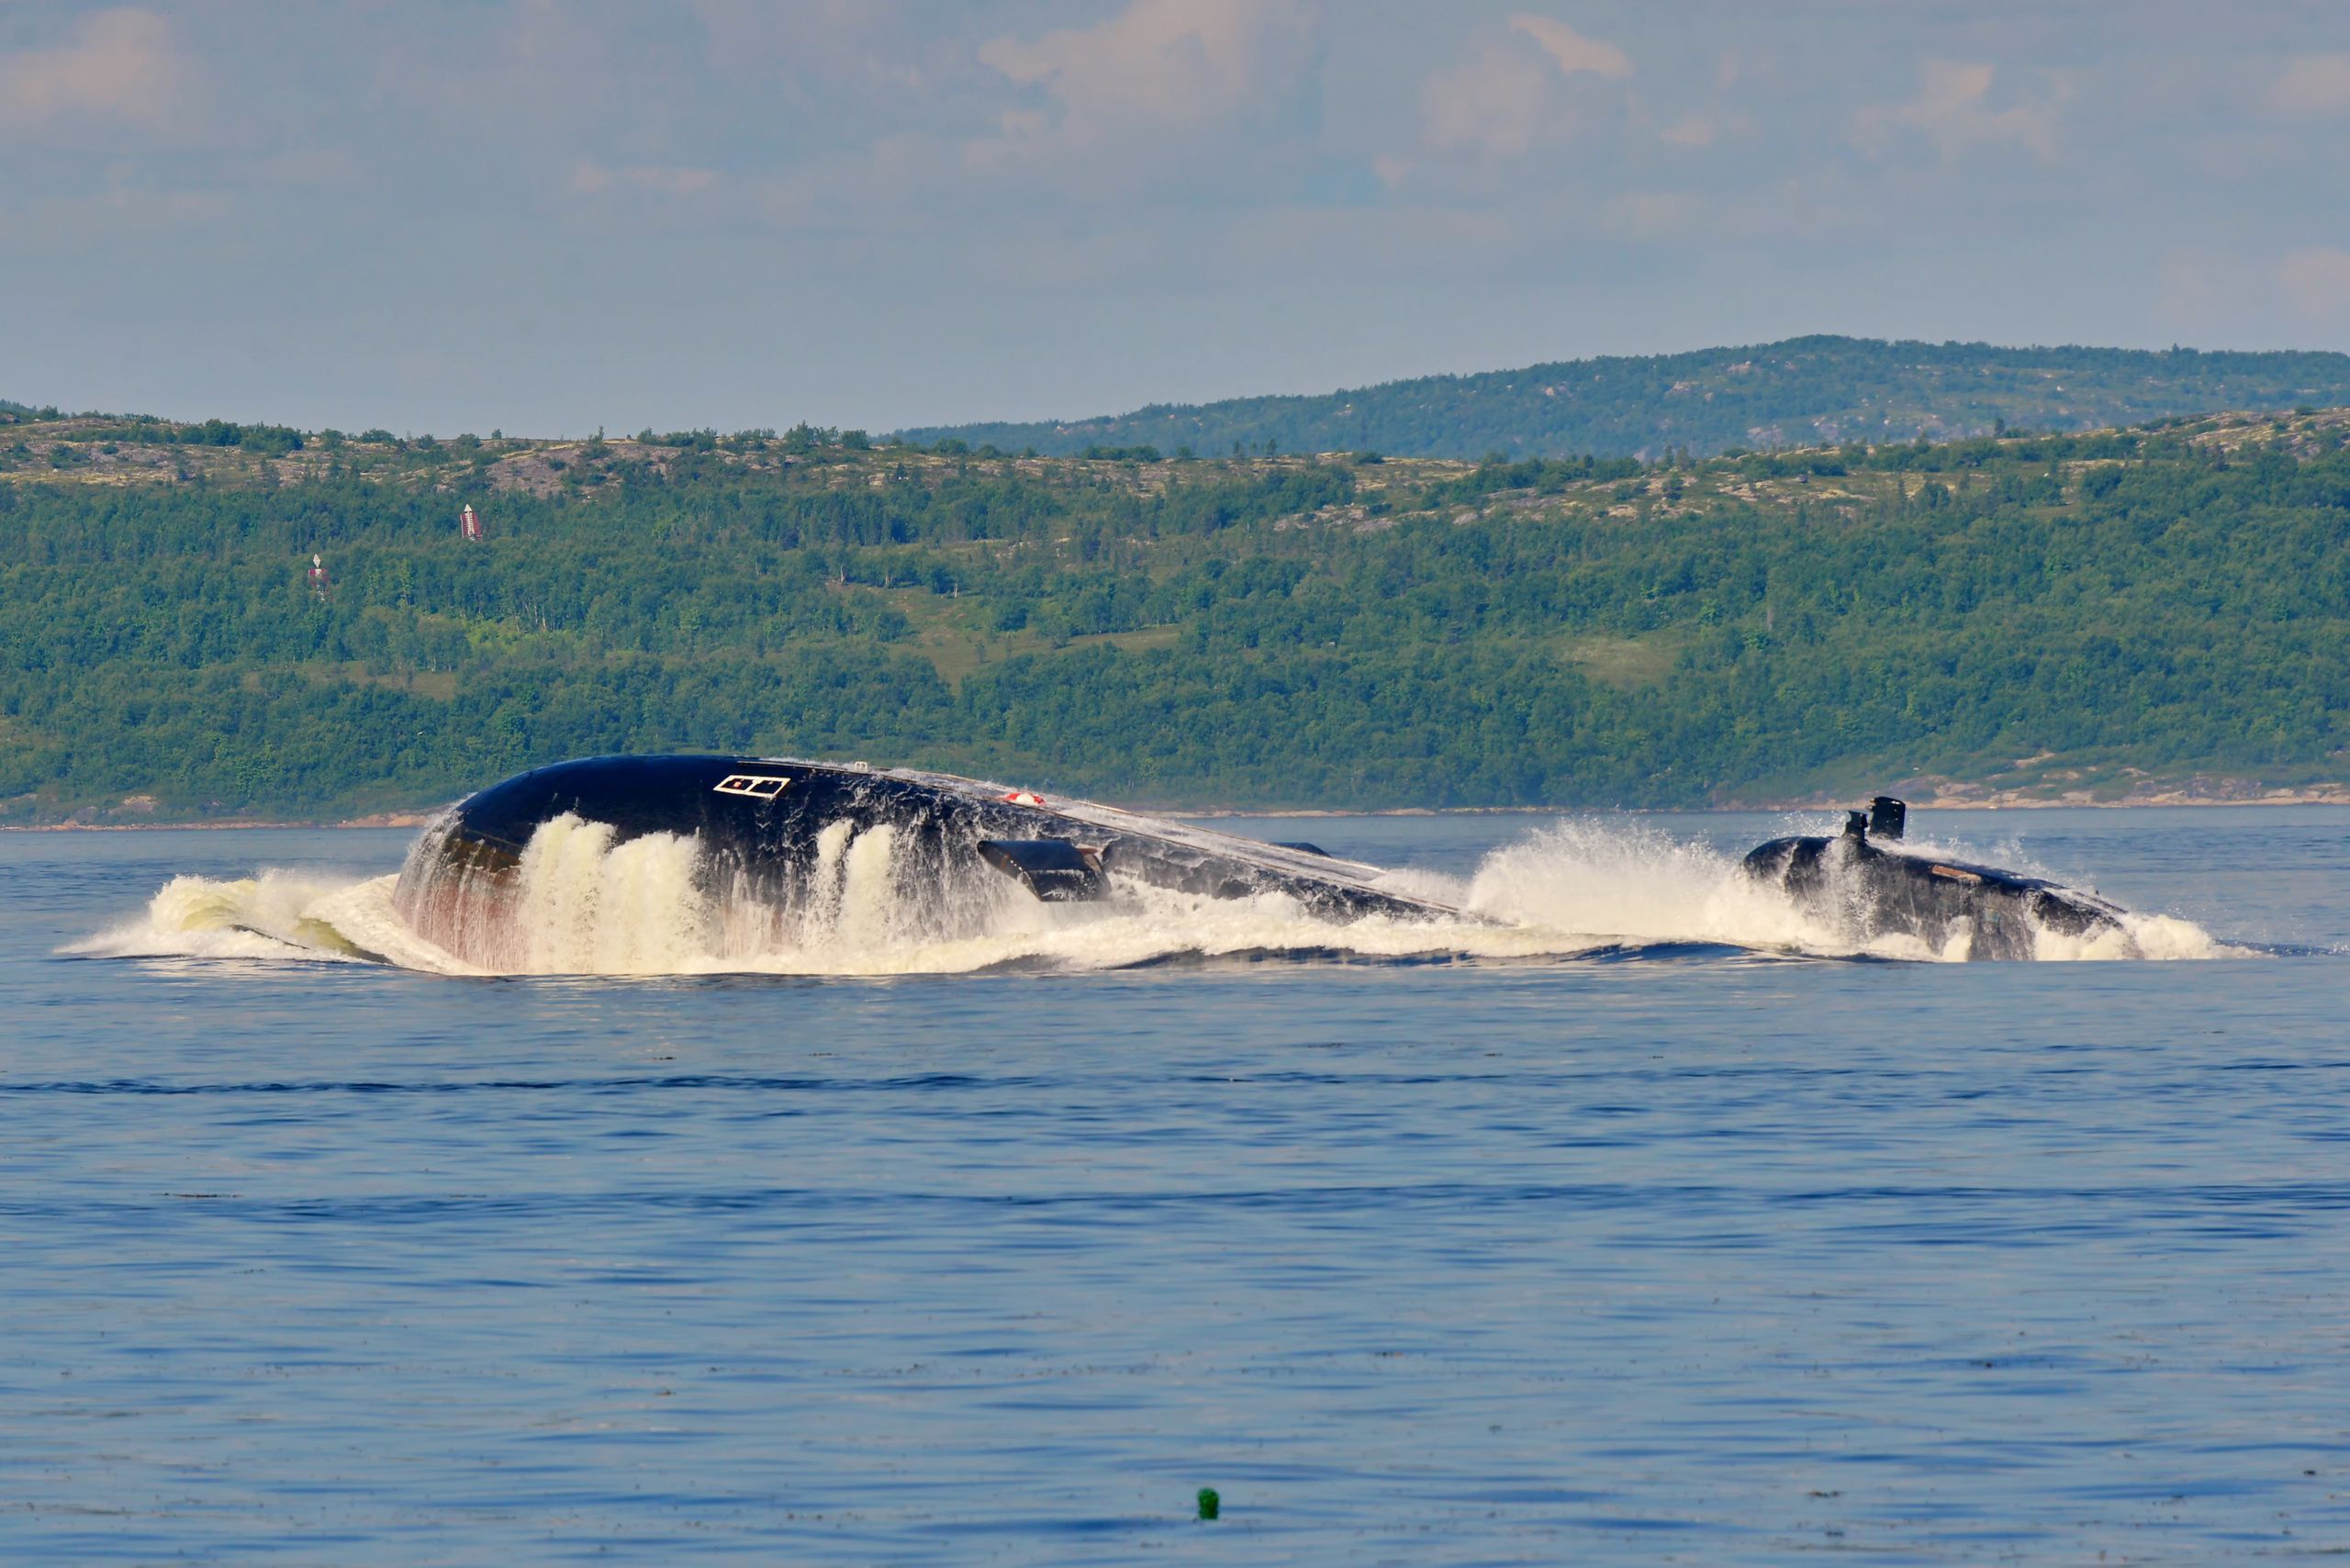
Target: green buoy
(1210,1503)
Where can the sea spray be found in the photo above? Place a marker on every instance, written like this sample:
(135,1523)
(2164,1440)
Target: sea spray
(581,903)
(870,910)
(271,914)
(1641,885)
(822,909)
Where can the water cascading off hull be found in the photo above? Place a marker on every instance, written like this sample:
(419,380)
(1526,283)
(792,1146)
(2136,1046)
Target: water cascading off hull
(629,863)
(1871,891)
(765,836)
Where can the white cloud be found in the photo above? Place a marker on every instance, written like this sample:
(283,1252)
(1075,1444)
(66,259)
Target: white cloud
(1498,102)
(1572,50)
(2313,85)
(121,66)
(1163,95)
(2318,281)
(1507,98)
(1952,110)
(1163,62)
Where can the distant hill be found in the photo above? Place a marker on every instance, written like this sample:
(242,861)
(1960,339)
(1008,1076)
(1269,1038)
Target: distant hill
(1802,392)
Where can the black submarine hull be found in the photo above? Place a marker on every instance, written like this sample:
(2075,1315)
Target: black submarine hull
(759,823)
(1871,891)
(762,828)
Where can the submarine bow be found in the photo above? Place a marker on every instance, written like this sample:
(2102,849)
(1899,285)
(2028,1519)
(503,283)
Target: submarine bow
(760,825)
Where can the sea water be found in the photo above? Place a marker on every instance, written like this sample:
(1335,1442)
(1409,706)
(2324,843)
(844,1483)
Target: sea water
(1631,1220)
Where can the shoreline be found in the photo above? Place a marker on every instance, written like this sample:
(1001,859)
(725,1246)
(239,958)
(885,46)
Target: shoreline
(409,820)
(2332,797)
(2323,796)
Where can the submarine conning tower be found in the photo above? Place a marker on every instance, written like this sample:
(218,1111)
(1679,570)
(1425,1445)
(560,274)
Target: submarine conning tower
(1885,817)
(1850,881)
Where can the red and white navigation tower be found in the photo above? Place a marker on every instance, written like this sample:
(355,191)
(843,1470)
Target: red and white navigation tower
(469,522)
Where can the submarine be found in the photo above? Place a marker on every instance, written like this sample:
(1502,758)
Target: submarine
(763,828)
(760,824)
(1854,880)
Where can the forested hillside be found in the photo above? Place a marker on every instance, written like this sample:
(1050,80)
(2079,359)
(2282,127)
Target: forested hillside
(2075,612)
(1801,392)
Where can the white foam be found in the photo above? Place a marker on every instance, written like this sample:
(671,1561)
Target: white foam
(2156,936)
(585,904)
(268,915)
(1610,882)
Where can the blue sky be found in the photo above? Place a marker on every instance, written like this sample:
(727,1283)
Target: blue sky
(549,215)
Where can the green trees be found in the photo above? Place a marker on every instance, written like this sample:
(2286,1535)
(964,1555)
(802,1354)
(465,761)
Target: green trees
(1288,632)
(269,441)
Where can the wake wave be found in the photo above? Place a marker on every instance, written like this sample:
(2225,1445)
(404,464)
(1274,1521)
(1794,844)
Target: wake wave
(585,904)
